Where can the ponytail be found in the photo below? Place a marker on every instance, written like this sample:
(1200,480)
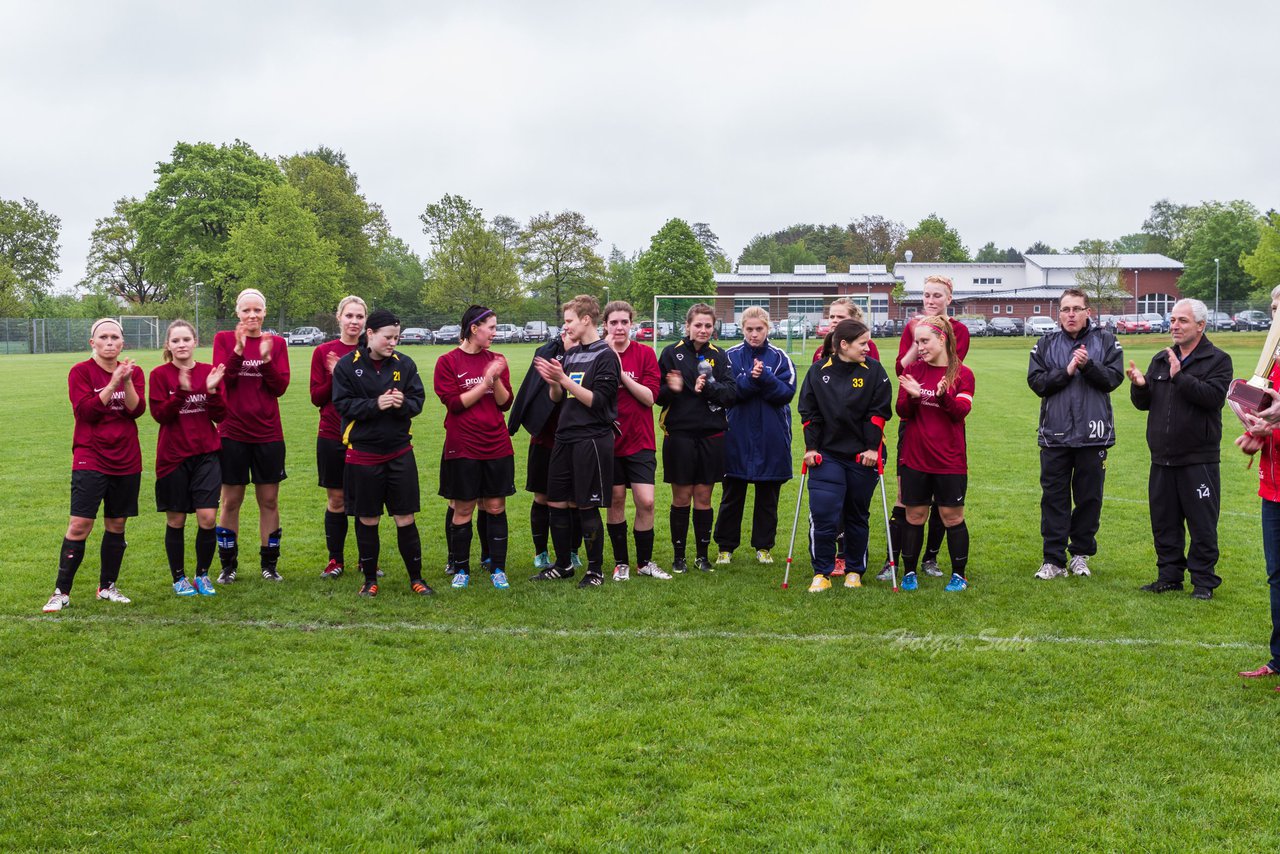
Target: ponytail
(942,327)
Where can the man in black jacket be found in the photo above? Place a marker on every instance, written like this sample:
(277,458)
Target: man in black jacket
(1183,392)
(1073,370)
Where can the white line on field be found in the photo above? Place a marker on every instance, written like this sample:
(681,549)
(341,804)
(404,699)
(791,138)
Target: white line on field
(899,637)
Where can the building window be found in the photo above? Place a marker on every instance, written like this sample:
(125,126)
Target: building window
(743,303)
(995,309)
(1036,308)
(1008,309)
(810,307)
(988,280)
(1155,304)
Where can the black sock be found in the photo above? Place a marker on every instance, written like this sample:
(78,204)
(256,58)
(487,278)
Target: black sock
(679,520)
(410,543)
(539,526)
(896,523)
(228,548)
(112,555)
(937,531)
(702,524)
(448,534)
(561,534)
(205,542)
(461,541)
(370,549)
(575,532)
(335,534)
(644,546)
(912,540)
(496,526)
(593,537)
(482,531)
(69,560)
(173,549)
(958,547)
(618,539)
(270,553)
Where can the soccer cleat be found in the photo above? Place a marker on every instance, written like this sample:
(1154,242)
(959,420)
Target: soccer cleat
(368,590)
(956,584)
(204,586)
(591,579)
(332,571)
(1264,670)
(269,574)
(819,584)
(763,556)
(886,573)
(652,570)
(622,572)
(449,568)
(111,594)
(554,573)
(839,568)
(724,558)
(679,566)
(1159,586)
(57,602)
(1079,565)
(421,587)
(499,579)
(542,561)
(930,567)
(227,576)
(574,561)
(909,581)
(460,580)
(853,579)
(703,565)
(183,587)
(1049,571)
(1202,593)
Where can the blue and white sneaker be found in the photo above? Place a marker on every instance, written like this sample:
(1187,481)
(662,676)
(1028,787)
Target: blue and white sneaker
(575,561)
(183,587)
(542,561)
(204,586)
(499,580)
(956,584)
(460,580)
(909,581)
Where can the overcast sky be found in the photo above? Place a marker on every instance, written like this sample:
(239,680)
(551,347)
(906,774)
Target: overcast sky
(1017,122)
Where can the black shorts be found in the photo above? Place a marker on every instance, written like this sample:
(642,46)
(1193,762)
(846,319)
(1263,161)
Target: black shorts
(920,489)
(393,484)
(582,472)
(462,479)
(117,493)
(261,462)
(535,479)
(640,467)
(331,458)
(692,459)
(196,484)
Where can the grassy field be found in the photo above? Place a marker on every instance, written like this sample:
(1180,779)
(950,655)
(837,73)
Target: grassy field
(709,712)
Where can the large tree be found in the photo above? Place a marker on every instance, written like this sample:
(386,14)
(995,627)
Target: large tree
(404,274)
(874,239)
(185,222)
(116,263)
(472,265)
(1227,233)
(1263,263)
(1100,277)
(933,240)
(1040,248)
(558,254)
(991,254)
(1166,225)
(620,273)
(28,249)
(441,219)
(674,263)
(710,242)
(277,249)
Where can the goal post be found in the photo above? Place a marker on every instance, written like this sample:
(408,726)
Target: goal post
(794,318)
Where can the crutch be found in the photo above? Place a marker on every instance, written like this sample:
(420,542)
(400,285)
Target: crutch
(795,521)
(888,532)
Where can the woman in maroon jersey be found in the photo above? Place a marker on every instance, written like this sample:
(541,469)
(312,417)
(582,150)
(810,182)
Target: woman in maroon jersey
(106,463)
(257,374)
(477,464)
(935,395)
(186,403)
(330,452)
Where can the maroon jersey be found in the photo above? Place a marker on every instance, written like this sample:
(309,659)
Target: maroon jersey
(908,341)
(478,432)
(105,437)
(874,353)
(933,439)
(322,387)
(634,418)
(252,388)
(186,418)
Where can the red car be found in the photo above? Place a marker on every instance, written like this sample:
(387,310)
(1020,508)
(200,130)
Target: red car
(644,332)
(1131,324)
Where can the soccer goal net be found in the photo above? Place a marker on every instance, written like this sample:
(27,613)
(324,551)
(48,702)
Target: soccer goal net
(794,319)
(141,332)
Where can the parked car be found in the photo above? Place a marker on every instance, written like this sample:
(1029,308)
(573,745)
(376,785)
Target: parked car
(270,331)
(667,330)
(1041,325)
(308,336)
(1158,323)
(416,335)
(976,325)
(1220,321)
(1252,319)
(730,331)
(508,333)
(1002,326)
(537,330)
(788,327)
(1131,324)
(643,331)
(1107,322)
(448,335)
(887,329)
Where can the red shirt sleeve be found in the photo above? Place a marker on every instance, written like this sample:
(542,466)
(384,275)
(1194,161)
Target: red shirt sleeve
(445,387)
(164,405)
(275,373)
(506,381)
(321,379)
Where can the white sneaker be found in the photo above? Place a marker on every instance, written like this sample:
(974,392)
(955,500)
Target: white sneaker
(724,558)
(111,594)
(763,556)
(1079,565)
(652,570)
(1050,570)
(621,572)
(57,602)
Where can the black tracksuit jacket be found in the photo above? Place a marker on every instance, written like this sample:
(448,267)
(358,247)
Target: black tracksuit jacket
(357,384)
(689,413)
(1184,424)
(838,401)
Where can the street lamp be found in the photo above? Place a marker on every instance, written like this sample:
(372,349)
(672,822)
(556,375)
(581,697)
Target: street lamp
(1135,294)
(198,284)
(1216,268)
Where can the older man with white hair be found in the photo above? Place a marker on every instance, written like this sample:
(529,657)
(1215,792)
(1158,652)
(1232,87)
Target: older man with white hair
(1182,392)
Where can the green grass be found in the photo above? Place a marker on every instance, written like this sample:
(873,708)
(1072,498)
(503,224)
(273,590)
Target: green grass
(709,712)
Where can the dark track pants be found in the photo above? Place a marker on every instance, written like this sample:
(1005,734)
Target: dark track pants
(1185,496)
(1067,476)
(839,490)
(1271,551)
(764,516)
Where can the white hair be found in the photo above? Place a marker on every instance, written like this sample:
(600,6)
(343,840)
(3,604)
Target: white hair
(1199,311)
